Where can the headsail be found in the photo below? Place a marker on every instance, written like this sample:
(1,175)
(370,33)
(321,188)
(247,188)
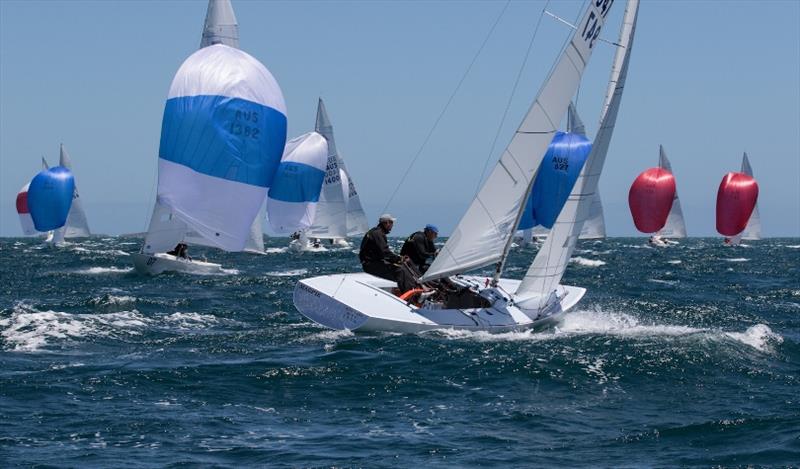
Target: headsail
(483,235)
(753,229)
(595,226)
(675,226)
(356,218)
(548,267)
(331,217)
(77,225)
(220,26)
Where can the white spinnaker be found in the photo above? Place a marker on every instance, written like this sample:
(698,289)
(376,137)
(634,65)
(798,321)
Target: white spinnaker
(548,267)
(753,229)
(482,236)
(595,226)
(221,26)
(357,223)
(675,226)
(77,225)
(331,217)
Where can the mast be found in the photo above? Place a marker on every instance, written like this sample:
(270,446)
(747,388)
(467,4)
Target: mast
(482,237)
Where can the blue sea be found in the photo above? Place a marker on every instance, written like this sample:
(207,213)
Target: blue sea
(680,356)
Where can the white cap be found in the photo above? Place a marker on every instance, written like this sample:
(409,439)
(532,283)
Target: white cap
(386,217)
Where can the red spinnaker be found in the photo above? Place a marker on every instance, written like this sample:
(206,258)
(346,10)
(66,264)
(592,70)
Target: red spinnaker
(736,199)
(650,199)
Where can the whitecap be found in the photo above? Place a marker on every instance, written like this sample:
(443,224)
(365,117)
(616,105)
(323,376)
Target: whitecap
(103,270)
(759,336)
(288,273)
(587,262)
(191,320)
(793,246)
(28,329)
(665,282)
(275,250)
(675,262)
(738,259)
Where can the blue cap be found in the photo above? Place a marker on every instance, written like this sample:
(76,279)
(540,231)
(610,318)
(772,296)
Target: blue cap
(432,228)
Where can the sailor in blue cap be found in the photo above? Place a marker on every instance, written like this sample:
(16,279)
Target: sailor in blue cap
(419,247)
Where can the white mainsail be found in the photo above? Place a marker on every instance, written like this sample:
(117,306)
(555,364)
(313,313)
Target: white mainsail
(483,235)
(221,26)
(675,226)
(330,220)
(548,267)
(77,226)
(753,229)
(357,223)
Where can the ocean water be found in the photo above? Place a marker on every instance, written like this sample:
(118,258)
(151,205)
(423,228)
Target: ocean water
(679,356)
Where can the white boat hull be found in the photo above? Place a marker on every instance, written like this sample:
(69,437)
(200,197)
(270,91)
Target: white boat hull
(154,264)
(365,303)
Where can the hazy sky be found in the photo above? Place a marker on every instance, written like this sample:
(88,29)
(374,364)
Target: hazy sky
(708,80)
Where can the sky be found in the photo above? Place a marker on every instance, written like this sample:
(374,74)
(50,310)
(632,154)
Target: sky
(708,80)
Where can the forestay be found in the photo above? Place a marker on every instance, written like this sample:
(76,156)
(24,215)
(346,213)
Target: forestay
(548,267)
(483,234)
(675,226)
(331,217)
(753,229)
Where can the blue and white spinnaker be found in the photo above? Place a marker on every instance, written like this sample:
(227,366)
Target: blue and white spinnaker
(222,137)
(295,191)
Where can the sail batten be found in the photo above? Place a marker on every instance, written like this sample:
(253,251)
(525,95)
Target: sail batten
(483,235)
(551,261)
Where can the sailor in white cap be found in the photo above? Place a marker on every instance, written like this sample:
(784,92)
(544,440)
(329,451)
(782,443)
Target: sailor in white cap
(378,259)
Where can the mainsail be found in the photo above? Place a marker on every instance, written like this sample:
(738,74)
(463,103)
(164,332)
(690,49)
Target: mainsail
(675,226)
(483,235)
(753,229)
(548,267)
(221,26)
(331,217)
(77,226)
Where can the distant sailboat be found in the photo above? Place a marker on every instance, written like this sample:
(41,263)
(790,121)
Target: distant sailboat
(736,203)
(675,226)
(44,203)
(484,235)
(654,204)
(77,225)
(213,172)
(339,213)
(752,231)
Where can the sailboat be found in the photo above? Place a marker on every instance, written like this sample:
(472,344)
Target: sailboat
(484,235)
(654,203)
(752,231)
(77,225)
(594,227)
(737,200)
(675,226)
(44,203)
(339,213)
(222,137)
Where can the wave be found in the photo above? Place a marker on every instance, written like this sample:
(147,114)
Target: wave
(582,323)
(103,270)
(29,330)
(287,273)
(587,262)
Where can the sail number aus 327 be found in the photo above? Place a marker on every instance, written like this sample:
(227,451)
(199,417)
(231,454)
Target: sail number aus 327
(591,30)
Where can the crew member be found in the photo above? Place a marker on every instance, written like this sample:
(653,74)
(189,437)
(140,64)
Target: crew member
(378,259)
(419,247)
(180,251)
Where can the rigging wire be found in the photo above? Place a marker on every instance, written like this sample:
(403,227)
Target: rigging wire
(446,106)
(511,97)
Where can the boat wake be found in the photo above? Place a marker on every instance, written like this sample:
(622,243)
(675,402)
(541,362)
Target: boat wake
(601,323)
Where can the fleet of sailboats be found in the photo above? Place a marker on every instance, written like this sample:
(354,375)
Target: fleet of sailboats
(225,167)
